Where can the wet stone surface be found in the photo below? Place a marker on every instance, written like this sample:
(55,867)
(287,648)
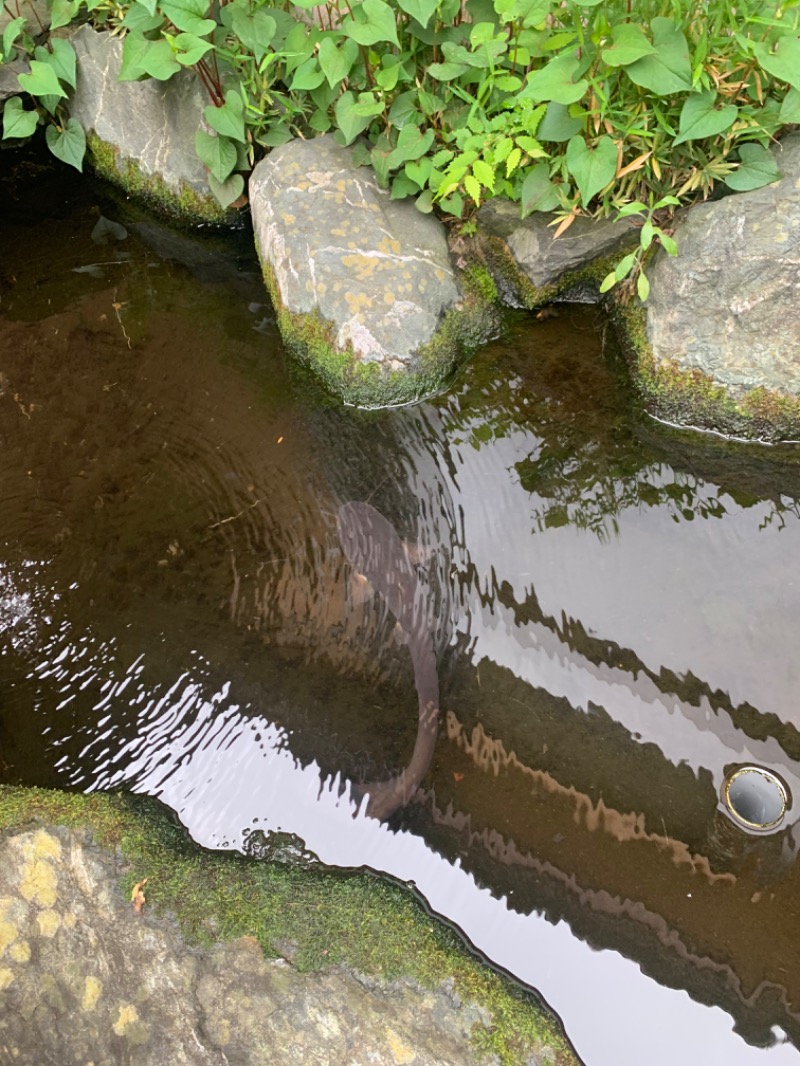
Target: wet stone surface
(84,978)
(375,269)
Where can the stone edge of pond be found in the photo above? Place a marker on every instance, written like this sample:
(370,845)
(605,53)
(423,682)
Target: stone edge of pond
(690,400)
(371,927)
(311,339)
(185,207)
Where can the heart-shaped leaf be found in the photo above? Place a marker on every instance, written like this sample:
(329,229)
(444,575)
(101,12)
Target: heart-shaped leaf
(699,118)
(336,58)
(592,168)
(189,16)
(784,62)
(538,192)
(756,169)
(555,81)
(42,80)
(628,43)
(218,154)
(228,120)
(16,121)
(68,144)
(349,122)
(228,191)
(668,69)
(372,22)
(421,10)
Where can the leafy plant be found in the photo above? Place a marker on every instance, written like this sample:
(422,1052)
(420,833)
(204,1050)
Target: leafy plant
(566,106)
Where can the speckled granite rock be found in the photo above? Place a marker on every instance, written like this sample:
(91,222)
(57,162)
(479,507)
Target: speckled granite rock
(373,274)
(729,304)
(148,127)
(532,267)
(83,978)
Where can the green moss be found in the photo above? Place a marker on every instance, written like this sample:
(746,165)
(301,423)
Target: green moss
(187,205)
(319,916)
(311,338)
(516,288)
(688,397)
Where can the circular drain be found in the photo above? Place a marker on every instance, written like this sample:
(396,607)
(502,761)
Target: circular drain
(756,798)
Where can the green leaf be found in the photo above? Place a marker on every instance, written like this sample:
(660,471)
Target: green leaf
(308,76)
(11,33)
(412,144)
(138,19)
(446,71)
(558,125)
(16,121)
(592,168)
(756,169)
(63,12)
(191,49)
(337,59)
(61,59)
(624,266)
(608,282)
(642,286)
(421,10)
(68,144)
(228,120)
(784,62)
(419,171)
(189,16)
(217,153)
(349,122)
(668,70)
(628,44)
(255,30)
(402,187)
(538,192)
(699,118)
(424,202)
(404,109)
(320,121)
(555,81)
(141,57)
(484,173)
(790,108)
(372,22)
(42,80)
(227,191)
(473,188)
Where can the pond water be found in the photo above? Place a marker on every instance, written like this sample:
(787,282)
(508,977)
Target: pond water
(613,610)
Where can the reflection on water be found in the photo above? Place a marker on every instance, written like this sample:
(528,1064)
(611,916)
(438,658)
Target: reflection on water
(221,590)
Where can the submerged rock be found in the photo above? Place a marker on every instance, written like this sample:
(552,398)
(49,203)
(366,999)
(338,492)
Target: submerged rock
(141,134)
(723,318)
(85,978)
(532,267)
(361,283)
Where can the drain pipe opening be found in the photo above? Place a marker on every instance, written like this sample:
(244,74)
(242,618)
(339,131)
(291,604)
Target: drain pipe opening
(756,798)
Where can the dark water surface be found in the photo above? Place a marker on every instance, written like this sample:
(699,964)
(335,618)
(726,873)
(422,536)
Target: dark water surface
(614,613)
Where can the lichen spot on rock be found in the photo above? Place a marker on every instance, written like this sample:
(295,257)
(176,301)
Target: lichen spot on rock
(92,991)
(49,922)
(129,1025)
(41,845)
(8,931)
(20,952)
(402,1053)
(6,977)
(39,882)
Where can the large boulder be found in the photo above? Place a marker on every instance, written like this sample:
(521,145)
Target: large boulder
(723,319)
(532,266)
(362,284)
(142,134)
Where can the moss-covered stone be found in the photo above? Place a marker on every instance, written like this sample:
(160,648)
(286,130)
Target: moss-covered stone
(186,206)
(691,399)
(316,917)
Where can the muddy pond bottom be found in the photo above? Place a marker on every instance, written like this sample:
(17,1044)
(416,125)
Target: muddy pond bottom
(198,603)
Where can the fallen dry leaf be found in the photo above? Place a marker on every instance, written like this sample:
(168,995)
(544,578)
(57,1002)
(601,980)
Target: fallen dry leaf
(137,896)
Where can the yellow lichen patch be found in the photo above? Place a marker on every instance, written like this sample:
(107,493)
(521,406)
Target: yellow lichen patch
(388,298)
(6,977)
(42,845)
(38,883)
(289,219)
(91,993)
(128,1016)
(389,246)
(402,1053)
(361,265)
(69,920)
(49,922)
(8,934)
(357,301)
(20,952)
